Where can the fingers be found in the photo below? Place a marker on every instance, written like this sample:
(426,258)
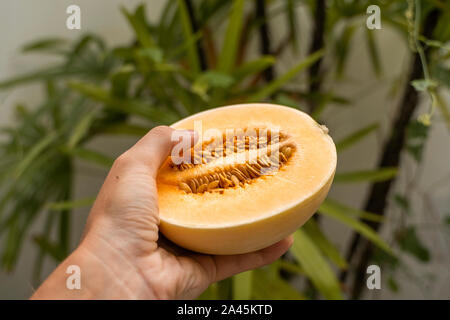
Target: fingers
(154,148)
(227,266)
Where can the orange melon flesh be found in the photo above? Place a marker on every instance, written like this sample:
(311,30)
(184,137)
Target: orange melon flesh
(245,219)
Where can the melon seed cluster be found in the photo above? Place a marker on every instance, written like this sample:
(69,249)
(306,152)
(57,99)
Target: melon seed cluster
(237,175)
(251,139)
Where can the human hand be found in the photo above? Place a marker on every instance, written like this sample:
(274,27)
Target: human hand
(122,255)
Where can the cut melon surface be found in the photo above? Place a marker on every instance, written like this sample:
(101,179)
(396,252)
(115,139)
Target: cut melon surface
(242,213)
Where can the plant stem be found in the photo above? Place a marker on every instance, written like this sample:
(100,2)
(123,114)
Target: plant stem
(390,157)
(65,215)
(264,36)
(201,53)
(315,81)
(244,43)
(423,58)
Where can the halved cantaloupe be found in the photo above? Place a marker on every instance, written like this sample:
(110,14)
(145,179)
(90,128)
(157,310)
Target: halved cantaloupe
(261,176)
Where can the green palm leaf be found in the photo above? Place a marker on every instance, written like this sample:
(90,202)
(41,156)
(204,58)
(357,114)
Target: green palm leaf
(194,60)
(242,285)
(339,213)
(315,266)
(366,175)
(276,84)
(355,137)
(328,249)
(229,50)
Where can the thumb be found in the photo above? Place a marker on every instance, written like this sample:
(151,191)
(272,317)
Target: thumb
(154,148)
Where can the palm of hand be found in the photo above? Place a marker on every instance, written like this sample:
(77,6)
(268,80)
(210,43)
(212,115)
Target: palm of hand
(124,224)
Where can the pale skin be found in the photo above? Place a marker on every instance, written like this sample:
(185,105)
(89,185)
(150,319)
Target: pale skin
(123,256)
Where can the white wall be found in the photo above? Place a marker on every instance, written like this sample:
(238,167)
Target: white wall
(23,20)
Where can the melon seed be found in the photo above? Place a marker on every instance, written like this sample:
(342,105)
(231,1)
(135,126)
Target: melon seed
(183,186)
(235,180)
(191,184)
(202,188)
(213,185)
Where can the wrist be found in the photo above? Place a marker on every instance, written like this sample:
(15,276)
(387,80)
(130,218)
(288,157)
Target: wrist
(93,271)
(71,279)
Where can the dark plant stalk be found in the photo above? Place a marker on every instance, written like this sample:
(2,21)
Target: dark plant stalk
(315,80)
(194,26)
(65,215)
(210,48)
(264,36)
(243,42)
(391,152)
